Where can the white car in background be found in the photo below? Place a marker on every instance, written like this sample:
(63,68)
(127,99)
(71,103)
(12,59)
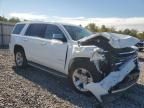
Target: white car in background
(100,63)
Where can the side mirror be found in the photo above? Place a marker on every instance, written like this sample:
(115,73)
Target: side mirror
(59,37)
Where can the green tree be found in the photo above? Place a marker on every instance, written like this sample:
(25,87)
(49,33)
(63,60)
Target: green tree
(112,29)
(14,20)
(120,31)
(92,27)
(104,28)
(140,35)
(127,31)
(3,18)
(133,33)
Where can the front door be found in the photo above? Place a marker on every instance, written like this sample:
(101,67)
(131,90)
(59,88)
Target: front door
(54,49)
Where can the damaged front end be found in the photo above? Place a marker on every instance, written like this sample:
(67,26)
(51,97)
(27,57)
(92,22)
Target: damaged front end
(118,65)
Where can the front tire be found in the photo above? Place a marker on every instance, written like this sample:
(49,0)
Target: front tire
(82,73)
(20,59)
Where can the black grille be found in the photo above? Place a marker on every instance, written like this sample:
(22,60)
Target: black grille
(116,59)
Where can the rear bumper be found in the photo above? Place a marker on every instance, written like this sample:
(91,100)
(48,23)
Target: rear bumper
(116,81)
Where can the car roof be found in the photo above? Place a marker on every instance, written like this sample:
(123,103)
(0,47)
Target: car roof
(43,22)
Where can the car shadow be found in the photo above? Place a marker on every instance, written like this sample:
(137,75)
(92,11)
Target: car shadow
(56,85)
(62,89)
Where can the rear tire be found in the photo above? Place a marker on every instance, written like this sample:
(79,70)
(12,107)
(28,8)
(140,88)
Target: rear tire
(20,58)
(91,73)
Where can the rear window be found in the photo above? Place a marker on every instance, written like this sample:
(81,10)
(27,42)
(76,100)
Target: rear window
(18,28)
(36,30)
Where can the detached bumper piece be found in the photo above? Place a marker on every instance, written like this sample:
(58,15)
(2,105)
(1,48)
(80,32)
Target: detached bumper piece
(128,81)
(125,77)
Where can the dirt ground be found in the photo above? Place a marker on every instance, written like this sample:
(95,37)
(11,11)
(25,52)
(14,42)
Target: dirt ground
(31,88)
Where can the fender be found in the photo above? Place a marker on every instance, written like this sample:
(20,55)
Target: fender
(78,53)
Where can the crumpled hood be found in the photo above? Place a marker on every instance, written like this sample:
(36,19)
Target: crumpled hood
(115,40)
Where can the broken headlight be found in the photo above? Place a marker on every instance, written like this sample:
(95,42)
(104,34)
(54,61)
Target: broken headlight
(99,54)
(99,59)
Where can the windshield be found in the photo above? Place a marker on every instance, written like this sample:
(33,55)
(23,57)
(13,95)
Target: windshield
(77,32)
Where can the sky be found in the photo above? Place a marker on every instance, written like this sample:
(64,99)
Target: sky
(120,14)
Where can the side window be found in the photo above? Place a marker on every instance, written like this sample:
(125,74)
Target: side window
(18,28)
(53,30)
(37,30)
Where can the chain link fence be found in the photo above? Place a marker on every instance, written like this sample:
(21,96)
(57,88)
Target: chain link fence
(5,31)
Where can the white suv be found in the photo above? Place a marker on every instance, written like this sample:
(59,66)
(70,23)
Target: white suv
(101,63)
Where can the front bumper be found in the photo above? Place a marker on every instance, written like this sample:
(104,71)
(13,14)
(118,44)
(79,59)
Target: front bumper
(140,45)
(116,81)
(127,82)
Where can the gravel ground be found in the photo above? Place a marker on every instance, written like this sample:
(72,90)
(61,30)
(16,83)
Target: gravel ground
(31,87)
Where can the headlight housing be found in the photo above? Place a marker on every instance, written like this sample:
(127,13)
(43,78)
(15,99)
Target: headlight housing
(99,54)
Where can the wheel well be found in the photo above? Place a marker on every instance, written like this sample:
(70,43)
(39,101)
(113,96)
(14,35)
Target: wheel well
(17,48)
(78,60)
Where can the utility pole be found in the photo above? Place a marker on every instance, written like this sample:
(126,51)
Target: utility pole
(1,8)
(1,23)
